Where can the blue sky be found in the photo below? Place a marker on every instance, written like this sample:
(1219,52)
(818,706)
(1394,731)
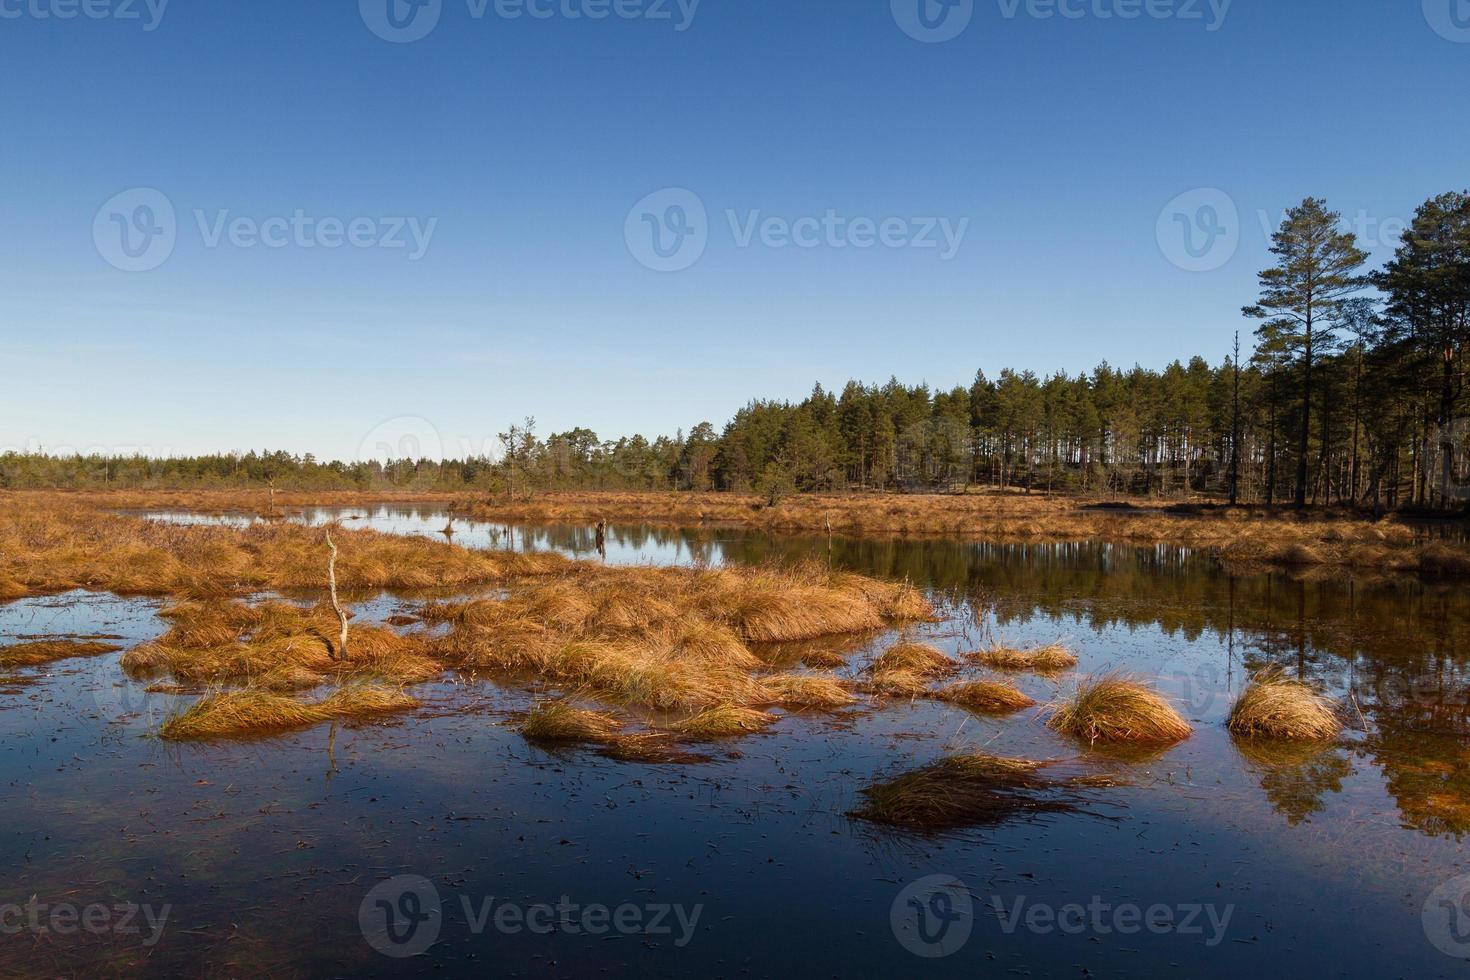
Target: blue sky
(522,145)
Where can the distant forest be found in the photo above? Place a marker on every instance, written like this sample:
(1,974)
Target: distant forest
(1352,394)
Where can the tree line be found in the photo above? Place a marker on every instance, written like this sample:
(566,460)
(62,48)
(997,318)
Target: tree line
(1354,394)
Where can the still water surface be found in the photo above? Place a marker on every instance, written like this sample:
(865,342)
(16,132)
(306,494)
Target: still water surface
(266,853)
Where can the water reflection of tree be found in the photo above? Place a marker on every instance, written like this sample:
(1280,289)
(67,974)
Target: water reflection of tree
(1368,639)
(1295,776)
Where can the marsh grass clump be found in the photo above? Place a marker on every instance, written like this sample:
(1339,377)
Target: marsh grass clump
(808,691)
(47,651)
(988,697)
(251,711)
(919,659)
(1054,658)
(1279,707)
(558,721)
(1117,708)
(725,721)
(969,790)
(898,684)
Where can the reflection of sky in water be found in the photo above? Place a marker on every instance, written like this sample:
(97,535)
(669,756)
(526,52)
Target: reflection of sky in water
(266,849)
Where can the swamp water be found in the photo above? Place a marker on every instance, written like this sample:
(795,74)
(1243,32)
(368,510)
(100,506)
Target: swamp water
(441,843)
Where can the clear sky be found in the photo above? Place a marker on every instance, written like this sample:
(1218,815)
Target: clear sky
(1052,149)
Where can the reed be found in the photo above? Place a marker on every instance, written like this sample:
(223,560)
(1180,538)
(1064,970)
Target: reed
(558,721)
(918,659)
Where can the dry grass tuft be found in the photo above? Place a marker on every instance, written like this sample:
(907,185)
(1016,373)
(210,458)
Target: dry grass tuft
(725,721)
(1118,708)
(1276,706)
(808,691)
(963,790)
(47,651)
(914,658)
(558,721)
(251,712)
(990,697)
(1053,658)
(898,684)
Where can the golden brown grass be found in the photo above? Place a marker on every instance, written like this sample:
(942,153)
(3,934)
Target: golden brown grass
(38,652)
(807,691)
(1054,658)
(676,640)
(898,684)
(969,790)
(919,659)
(989,697)
(53,543)
(1245,534)
(252,712)
(1117,708)
(1276,706)
(723,722)
(558,721)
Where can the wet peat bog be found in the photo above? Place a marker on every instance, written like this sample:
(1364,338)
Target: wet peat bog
(441,842)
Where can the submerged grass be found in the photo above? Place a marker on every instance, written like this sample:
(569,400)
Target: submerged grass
(724,721)
(558,721)
(988,697)
(1053,658)
(1117,708)
(970,790)
(251,712)
(1279,707)
(919,659)
(38,652)
(808,691)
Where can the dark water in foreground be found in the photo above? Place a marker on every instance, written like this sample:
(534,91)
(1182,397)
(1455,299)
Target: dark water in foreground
(293,856)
